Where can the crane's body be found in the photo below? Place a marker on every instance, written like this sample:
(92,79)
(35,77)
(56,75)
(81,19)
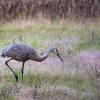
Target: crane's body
(22,53)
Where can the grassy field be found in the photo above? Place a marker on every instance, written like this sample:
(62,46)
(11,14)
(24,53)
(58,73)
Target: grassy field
(50,80)
(35,32)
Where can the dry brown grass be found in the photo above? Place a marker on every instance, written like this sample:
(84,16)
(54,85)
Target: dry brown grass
(17,9)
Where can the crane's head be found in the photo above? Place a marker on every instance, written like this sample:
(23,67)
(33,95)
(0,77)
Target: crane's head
(55,51)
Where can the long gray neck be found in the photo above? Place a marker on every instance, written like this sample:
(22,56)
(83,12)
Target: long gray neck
(44,55)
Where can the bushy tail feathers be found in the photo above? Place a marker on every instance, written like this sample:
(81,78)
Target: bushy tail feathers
(3,54)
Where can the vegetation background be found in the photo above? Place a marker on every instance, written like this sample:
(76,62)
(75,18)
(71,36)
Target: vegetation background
(12,9)
(73,26)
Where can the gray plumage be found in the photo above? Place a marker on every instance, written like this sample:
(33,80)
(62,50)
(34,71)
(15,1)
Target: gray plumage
(22,53)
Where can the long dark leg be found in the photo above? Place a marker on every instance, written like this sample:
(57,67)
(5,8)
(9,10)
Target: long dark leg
(16,77)
(22,70)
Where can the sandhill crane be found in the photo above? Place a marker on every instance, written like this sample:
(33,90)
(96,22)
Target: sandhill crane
(23,53)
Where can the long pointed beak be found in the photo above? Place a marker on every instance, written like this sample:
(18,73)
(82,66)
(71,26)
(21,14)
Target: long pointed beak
(59,56)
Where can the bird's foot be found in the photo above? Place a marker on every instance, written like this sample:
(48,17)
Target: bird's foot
(16,78)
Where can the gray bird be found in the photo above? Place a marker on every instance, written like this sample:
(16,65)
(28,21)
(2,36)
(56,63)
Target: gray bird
(23,53)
